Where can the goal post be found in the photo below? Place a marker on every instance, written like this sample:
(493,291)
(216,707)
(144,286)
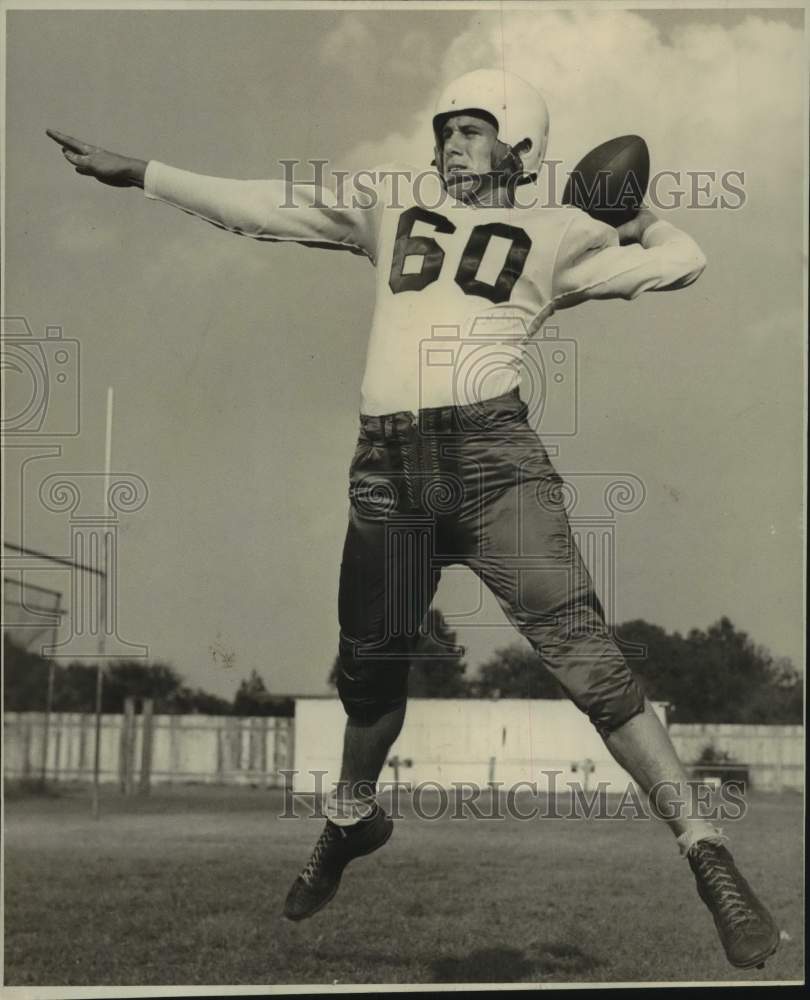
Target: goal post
(32,612)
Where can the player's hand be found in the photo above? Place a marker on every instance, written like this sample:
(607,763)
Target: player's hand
(632,231)
(93,161)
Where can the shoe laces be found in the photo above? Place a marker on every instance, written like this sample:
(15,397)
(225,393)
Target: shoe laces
(330,834)
(715,872)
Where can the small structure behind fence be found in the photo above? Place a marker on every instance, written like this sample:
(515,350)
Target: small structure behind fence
(140,749)
(772,757)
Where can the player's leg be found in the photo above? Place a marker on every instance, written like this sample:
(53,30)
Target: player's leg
(388,580)
(643,748)
(365,751)
(546,592)
(521,546)
(749,935)
(386,587)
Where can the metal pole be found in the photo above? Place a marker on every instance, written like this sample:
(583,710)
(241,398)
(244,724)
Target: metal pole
(47,723)
(102,624)
(128,745)
(147,709)
(780,778)
(49,695)
(62,560)
(97,753)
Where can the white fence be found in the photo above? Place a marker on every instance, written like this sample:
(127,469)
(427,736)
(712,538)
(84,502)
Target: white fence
(205,748)
(511,740)
(466,740)
(772,755)
(445,741)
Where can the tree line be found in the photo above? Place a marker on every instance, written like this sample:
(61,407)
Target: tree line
(74,688)
(714,675)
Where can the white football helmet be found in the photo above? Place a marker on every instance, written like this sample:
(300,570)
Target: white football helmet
(518,111)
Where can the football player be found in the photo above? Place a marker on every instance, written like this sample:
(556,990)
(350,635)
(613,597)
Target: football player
(447,469)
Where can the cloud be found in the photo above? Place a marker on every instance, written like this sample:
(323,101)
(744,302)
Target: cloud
(365,49)
(351,47)
(414,56)
(706,97)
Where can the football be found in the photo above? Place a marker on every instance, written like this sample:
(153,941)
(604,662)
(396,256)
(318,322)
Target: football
(610,182)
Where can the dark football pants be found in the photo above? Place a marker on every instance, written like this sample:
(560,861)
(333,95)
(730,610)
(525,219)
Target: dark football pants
(468,485)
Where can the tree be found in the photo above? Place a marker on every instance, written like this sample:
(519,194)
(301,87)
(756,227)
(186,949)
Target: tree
(437,667)
(136,679)
(25,678)
(75,689)
(781,700)
(195,701)
(516,671)
(665,670)
(253,698)
(717,675)
(26,684)
(26,681)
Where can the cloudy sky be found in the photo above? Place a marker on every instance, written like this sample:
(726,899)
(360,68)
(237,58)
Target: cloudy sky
(237,365)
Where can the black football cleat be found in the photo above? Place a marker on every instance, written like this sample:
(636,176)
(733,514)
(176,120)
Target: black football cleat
(747,930)
(337,846)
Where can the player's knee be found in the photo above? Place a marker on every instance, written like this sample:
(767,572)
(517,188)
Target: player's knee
(589,665)
(371,686)
(616,706)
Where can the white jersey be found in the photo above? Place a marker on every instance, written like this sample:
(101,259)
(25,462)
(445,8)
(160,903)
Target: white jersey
(460,290)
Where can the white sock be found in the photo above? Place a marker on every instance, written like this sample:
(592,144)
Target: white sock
(688,839)
(347,811)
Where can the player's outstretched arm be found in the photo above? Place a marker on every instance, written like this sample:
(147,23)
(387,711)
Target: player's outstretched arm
(261,209)
(93,161)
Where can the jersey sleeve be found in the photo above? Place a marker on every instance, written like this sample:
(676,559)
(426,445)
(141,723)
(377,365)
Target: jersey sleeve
(591,264)
(272,210)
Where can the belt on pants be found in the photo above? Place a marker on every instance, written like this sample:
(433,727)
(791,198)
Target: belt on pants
(479,416)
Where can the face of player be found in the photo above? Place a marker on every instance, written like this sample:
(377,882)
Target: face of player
(467,145)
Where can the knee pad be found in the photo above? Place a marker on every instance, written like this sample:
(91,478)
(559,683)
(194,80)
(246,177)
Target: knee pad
(370,686)
(618,705)
(583,656)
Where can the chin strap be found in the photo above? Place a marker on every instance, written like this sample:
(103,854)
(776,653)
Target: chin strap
(507,172)
(508,163)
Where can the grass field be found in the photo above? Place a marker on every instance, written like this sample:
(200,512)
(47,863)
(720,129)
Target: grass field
(186,887)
